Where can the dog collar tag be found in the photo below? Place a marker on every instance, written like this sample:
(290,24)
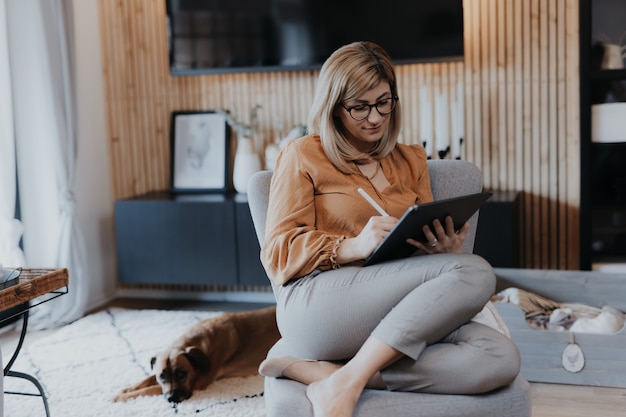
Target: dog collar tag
(573,358)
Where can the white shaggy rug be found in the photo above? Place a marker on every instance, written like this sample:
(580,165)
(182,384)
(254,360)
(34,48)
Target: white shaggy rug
(83,365)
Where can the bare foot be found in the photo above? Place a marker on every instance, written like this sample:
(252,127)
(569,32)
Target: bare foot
(333,397)
(308,372)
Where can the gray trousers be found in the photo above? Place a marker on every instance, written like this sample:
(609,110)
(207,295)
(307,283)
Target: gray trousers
(421,306)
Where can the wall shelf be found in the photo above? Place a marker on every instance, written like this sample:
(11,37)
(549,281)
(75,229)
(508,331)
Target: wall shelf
(616,75)
(603,179)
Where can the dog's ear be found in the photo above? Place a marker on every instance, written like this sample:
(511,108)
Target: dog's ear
(198,359)
(152,362)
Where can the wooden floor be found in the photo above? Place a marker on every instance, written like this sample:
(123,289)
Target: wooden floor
(554,400)
(548,400)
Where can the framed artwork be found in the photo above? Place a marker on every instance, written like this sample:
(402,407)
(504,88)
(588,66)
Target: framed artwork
(199,152)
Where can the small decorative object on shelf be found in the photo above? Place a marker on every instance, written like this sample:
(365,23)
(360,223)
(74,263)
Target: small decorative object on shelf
(272,150)
(613,56)
(613,51)
(295,132)
(247,159)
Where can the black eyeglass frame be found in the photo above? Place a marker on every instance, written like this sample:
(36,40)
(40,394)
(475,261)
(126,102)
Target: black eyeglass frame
(393,99)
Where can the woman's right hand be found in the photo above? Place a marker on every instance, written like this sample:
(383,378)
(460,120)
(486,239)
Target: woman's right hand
(362,245)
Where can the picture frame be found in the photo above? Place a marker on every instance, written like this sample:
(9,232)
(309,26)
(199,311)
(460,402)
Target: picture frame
(199,152)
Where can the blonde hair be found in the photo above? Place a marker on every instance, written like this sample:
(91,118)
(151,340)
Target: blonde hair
(347,74)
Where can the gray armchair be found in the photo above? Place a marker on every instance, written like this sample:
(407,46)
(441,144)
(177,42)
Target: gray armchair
(286,398)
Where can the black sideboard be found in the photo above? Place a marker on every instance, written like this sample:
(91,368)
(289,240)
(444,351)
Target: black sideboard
(497,233)
(209,239)
(191,239)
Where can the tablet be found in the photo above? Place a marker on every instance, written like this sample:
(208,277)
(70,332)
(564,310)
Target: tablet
(410,225)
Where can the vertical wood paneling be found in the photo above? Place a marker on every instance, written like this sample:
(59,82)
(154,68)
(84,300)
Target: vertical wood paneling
(492,152)
(509,134)
(526,221)
(552,120)
(472,79)
(516,68)
(561,126)
(521,80)
(483,146)
(534,133)
(543,141)
(572,132)
(501,63)
(514,101)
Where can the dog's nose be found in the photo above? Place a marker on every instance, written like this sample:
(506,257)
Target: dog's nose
(173,397)
(177,396)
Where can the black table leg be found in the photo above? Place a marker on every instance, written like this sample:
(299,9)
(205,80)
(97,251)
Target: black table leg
(20,342)
(33,380)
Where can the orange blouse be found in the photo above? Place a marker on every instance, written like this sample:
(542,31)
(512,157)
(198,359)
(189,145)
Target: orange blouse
(313,205)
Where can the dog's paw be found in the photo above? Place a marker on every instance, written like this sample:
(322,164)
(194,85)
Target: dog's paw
(125,390)
(128,394)
(121,397)
(137,391)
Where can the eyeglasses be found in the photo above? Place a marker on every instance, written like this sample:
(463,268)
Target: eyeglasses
(362,111)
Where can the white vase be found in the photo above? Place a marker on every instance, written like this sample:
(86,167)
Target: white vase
(247,162)
(271,153)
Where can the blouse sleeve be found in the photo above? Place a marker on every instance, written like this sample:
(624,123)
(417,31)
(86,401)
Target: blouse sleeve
(293,247)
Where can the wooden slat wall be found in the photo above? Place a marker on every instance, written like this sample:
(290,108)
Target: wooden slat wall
(513,101)
(522,117)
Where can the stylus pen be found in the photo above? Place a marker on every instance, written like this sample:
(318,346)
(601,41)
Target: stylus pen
(372,202)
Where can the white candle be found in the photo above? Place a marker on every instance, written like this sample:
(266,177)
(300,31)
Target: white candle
(441,122)
(459,119)
(426,127)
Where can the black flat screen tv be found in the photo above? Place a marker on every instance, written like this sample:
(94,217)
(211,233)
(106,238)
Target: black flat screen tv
(218,36)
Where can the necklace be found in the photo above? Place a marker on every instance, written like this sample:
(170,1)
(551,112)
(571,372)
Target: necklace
(376,169)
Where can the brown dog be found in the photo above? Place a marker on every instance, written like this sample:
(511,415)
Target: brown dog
(230,345)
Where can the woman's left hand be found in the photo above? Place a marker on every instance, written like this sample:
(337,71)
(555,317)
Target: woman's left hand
(443,240)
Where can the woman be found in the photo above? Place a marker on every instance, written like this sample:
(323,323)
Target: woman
(399,325)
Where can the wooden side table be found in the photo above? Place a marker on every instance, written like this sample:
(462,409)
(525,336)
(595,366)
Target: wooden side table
(33,287)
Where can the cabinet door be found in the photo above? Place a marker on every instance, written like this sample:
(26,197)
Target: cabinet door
(172,242)
(251,271)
